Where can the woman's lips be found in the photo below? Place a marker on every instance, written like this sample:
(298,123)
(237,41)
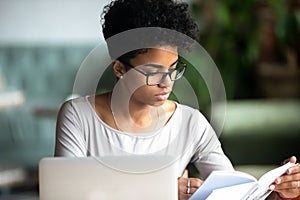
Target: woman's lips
(162,96)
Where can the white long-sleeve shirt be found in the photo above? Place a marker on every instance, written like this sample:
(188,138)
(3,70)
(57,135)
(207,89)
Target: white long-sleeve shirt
(187,136)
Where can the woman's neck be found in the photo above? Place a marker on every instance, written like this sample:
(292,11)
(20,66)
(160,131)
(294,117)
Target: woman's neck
(142,114)
(137,117)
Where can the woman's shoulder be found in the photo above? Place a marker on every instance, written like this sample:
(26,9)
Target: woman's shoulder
(75,102)
(187,109)
(76,105)
(190,112)
(84,101)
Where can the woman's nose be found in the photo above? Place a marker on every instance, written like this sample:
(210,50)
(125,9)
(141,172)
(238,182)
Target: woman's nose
(166,81)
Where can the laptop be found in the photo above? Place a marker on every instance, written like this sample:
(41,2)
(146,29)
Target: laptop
(108,178)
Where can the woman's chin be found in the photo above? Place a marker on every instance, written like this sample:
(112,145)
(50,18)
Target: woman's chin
(159,102)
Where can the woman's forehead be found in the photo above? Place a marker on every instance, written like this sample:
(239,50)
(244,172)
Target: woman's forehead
(162,56)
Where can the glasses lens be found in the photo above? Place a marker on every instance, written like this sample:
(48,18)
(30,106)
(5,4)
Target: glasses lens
(158,77)
(177,74)
(154,79)
(173,75)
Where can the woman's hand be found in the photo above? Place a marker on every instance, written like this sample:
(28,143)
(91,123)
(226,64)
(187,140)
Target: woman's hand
(187,186)
(288,185)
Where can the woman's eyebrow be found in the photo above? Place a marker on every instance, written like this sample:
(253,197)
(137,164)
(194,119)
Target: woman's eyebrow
(160,66)
(176,61)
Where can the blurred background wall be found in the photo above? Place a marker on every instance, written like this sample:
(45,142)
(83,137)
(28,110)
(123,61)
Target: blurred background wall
(33,22)
(256,46)
(254,43)
(42,44)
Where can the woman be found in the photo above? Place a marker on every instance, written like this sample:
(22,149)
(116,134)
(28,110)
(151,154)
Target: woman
(137,117)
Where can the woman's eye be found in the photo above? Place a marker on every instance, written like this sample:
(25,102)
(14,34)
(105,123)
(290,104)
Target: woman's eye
(154,68)
(150,70)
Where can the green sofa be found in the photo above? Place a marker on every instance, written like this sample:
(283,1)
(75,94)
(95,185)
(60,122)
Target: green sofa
(45,75)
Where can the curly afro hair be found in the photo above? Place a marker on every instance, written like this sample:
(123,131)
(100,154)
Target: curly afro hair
(123,15)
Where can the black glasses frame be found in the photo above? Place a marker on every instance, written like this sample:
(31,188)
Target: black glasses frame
(164,74)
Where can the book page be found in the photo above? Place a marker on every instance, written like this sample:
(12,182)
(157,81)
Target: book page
(221,179)
(238,185)
(236,192)
(268,178)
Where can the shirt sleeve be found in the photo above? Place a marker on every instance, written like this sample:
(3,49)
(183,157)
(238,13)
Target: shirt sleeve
(69,135)
(208,155)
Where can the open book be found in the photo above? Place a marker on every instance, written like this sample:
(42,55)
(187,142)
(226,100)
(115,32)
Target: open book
(238,185)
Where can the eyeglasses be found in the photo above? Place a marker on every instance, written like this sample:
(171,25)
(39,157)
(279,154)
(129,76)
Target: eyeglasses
(156,78)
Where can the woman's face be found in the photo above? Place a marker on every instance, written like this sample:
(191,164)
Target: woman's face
(166,59)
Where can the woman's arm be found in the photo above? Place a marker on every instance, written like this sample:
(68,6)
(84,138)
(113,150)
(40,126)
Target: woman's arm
(207,156)
(69,135)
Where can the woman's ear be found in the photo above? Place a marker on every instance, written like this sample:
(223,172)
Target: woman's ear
(118,68)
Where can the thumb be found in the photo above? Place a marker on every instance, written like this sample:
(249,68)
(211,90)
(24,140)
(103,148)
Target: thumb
(185,174)
(293,159)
